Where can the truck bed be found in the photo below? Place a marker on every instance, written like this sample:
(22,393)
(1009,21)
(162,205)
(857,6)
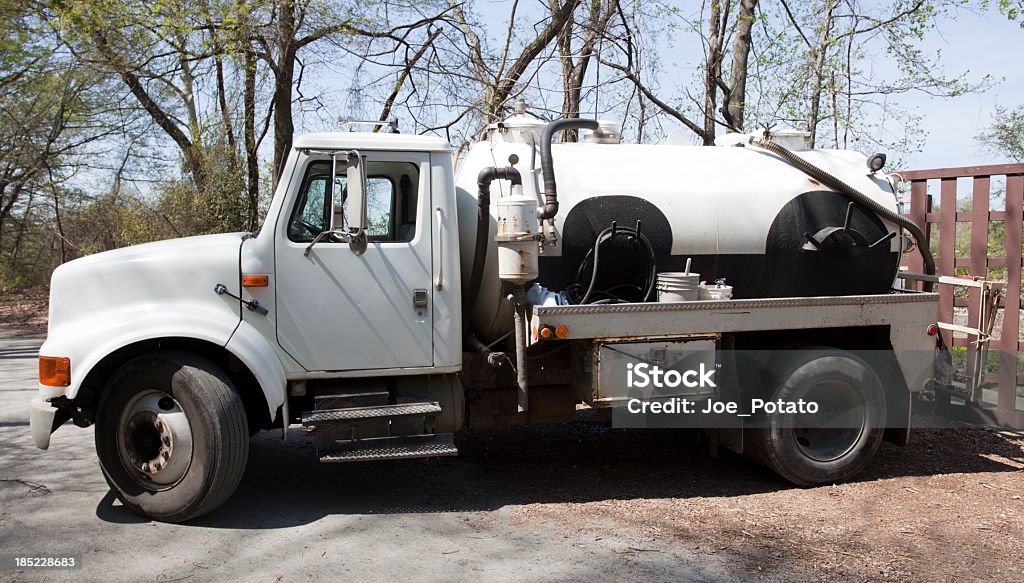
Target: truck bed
(899,310)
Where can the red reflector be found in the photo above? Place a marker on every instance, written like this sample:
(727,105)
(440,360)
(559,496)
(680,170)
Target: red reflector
(933,329)
(255,280)
(54,371)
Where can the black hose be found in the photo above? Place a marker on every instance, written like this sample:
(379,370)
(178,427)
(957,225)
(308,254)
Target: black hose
(855,195)
(483,230)
(550,208)
(590,295)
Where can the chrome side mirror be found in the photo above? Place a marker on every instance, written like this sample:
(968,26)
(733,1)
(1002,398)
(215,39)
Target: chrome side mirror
(356,185)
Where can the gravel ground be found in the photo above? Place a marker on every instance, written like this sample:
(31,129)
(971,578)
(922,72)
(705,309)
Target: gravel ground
(579,501)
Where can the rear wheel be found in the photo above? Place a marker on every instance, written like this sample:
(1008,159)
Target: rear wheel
(171,436)
(839,440)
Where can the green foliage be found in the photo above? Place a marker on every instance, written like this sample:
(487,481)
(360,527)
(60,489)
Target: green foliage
(50,114)
(218,206)
(1013,9)
(1005,137)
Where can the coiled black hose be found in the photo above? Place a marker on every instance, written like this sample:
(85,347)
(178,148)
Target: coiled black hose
(578,294)
(855,195)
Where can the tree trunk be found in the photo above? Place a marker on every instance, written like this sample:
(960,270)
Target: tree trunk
(818,66)
(252,168)
(574,72)
(740,53)
(713,72)
(284,77)
(570,89)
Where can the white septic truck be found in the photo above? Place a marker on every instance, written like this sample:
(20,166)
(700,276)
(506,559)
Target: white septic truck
(389,302)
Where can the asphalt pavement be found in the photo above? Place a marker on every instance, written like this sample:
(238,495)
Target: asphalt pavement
(295,519)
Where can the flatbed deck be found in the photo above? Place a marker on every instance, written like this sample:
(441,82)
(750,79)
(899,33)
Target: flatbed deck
(666,320)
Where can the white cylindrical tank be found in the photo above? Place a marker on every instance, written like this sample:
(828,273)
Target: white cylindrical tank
(740,213)
(516,238)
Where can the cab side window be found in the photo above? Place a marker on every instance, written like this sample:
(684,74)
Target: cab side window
(310,218)
(391,201)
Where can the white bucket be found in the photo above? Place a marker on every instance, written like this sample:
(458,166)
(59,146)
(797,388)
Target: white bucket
(678,296)
(678,286)
(715,292)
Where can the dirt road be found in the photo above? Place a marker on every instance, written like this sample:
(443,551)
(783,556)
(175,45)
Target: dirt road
(574,502)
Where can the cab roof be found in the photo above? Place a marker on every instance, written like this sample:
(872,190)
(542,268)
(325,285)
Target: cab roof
(370,141)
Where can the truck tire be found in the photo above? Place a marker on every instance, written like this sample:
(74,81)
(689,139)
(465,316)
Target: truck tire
(171,436)
(795,447)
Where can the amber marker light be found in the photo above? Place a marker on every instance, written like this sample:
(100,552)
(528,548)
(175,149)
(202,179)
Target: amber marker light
(547,333)
(255,280)
(562,332)
(54,371)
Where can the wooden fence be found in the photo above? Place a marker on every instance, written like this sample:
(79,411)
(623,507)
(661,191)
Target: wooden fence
(941,227)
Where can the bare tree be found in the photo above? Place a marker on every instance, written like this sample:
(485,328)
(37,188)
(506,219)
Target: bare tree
(577,42)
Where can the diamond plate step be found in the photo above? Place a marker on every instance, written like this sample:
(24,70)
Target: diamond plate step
(391,448)
(350,414)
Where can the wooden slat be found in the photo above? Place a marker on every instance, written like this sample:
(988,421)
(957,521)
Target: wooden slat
(947,249)
(965,171)
(1008,343)
(919,207)
(967,217)
(981,190)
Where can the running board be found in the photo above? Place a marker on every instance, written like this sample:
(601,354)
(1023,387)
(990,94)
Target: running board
(351,414)
(391,448)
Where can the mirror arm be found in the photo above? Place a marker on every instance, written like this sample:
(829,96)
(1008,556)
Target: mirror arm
(337,234)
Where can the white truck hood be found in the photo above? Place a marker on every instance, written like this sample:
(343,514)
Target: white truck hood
(177,271)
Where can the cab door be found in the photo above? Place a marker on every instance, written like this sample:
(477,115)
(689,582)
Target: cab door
(338,311)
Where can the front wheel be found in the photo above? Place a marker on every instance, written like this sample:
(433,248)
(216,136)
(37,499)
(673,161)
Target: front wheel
(839,440)
(171,436)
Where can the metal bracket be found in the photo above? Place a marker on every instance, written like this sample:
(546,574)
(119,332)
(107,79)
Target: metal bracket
(253,305)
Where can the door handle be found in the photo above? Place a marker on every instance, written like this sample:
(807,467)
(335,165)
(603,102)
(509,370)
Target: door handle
(440,248)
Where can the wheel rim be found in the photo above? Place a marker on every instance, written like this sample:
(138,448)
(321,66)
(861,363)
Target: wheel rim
(154,439)
(837,427)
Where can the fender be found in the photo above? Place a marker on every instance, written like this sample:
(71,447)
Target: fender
(88,340)
(259,356)
(95,337)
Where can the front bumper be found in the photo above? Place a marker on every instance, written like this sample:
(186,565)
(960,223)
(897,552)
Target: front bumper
(40,420)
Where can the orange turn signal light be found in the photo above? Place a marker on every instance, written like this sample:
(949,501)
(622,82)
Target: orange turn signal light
(547,333)
(54,371)
(562,332)
(255,280)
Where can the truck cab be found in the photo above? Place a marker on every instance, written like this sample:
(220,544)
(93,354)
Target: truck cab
(345,280)
(388,307)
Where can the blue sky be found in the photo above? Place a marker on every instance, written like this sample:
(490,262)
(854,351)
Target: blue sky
(984,44)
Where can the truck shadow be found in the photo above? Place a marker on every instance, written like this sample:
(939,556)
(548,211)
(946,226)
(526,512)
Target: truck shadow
(584,461)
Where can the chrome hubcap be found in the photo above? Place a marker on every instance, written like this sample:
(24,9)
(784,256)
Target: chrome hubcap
(155,439)
(838,425)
